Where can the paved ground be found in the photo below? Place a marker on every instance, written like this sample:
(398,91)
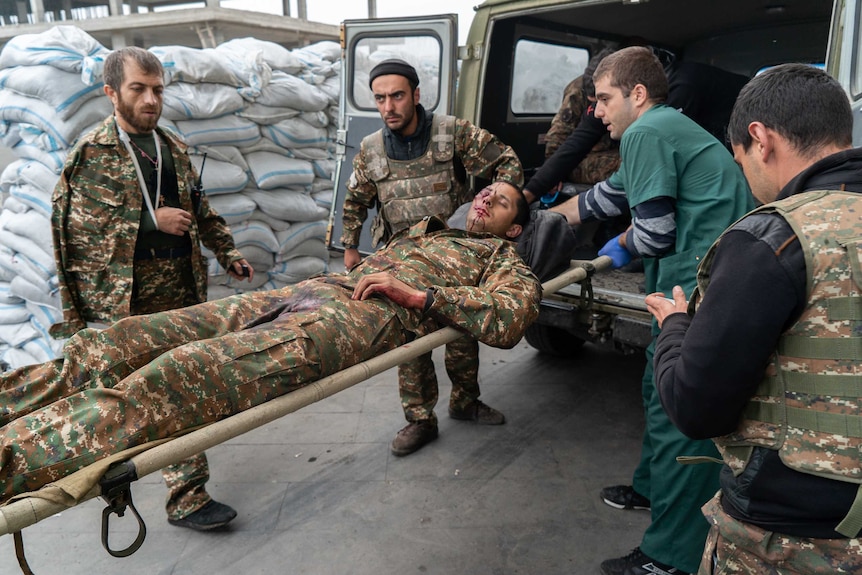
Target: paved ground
(319,493)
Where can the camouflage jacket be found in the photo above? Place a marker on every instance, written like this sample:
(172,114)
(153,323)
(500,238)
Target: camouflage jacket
(808,401)
(479,283)
(481,153)
(96,213)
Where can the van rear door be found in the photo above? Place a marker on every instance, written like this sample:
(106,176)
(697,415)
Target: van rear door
(429,43)
(844,58)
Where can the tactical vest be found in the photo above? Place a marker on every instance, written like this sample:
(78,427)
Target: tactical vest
(809,405)
(409,190)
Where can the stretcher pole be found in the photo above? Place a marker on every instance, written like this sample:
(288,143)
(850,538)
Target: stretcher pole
(26,512)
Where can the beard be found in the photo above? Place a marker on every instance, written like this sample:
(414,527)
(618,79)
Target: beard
(142,124)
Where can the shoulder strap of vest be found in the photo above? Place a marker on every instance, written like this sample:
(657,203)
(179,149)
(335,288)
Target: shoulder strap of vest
(443,138)
(373,151)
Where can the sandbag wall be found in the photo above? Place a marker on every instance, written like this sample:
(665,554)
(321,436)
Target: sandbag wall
(262,116)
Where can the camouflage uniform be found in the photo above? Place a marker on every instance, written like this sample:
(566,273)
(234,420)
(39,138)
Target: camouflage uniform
(407,191)
(603,159)
(807,407)
(148,377)
(97,209)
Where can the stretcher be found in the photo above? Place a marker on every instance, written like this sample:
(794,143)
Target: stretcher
(111,477)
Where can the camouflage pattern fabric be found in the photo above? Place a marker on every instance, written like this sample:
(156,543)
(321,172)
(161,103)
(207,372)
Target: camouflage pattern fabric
(808,404)
(161,285)
(376,178)
(407,191)
(417,381)
(482,154)
(603,160)
(148,377)
(95,218)
(736,548)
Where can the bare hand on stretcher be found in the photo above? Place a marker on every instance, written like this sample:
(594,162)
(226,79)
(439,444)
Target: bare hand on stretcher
(392,288)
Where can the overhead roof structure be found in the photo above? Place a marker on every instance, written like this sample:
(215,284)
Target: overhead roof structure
(146,23)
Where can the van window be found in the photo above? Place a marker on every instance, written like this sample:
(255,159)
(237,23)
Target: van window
(423,52)
(541,72)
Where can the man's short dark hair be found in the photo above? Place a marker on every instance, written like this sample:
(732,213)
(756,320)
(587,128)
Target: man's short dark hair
(397,67)
(803,104)
(522,207)
(589,85)
(632,66)
(115,63)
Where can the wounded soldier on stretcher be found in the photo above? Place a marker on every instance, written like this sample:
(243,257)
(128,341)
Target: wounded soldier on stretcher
(150,377)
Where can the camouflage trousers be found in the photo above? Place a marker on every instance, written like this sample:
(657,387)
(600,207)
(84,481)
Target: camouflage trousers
(417,380)
(737,548)
(149,377)
(161,285)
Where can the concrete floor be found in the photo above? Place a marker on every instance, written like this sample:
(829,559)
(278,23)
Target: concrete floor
(319,493)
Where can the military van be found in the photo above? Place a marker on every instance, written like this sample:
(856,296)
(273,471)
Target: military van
(509,79)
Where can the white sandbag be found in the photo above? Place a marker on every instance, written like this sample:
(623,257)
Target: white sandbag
(10,134)
(17,334)
(34,226)
(43,350)
(298,233)
(220,177)
(316,119)
(275,224)
(31,197)
(273,171)
(184,64)
(307,153)
(225,131)
(63,91)
(24,109)
(326,50)
(6,295)
(28,172)
(332,88)
(254,233)
(323,198)
(42,317)
(324,168)
(266,115)
(229,154)
(15,205)
(287,205)
(27,290)
(63,47)
(234,208)
(13,313)
(296,133)
(184,101)
(27,250)
(54,161)
(298,269)
(16,357)
(287,91)
(260,258)
(267,145)
(277,56)
(312,247)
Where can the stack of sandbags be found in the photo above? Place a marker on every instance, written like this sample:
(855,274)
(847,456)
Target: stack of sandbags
(263,117)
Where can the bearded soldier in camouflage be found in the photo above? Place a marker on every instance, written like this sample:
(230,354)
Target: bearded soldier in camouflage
(412,168)
(768,364)
(149,377)
(123,251)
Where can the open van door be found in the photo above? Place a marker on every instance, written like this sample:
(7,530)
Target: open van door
(430,44)
(844,57)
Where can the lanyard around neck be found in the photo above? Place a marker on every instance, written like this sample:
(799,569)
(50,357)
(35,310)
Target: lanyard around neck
(124,137)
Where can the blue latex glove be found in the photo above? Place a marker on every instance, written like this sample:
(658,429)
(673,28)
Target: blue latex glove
(618,254)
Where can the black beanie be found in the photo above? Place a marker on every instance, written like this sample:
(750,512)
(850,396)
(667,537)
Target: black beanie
(394,66)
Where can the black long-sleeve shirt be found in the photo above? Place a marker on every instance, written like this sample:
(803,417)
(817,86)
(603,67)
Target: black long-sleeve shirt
(708,366)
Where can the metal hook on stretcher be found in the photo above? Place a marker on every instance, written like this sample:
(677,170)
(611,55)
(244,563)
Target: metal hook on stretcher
(116,490)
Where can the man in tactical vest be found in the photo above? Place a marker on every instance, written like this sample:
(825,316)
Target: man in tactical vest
(765,358)
(415,167)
